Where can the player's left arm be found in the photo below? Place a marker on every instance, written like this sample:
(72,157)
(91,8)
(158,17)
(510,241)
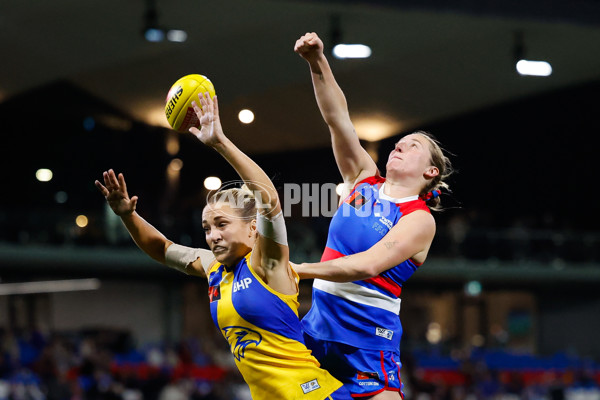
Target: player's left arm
(411,236)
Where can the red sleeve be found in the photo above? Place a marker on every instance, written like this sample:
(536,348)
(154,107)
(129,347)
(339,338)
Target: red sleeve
(372,180)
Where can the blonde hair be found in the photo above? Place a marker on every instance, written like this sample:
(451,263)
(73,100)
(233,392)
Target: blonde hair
(443,164)
(240,199)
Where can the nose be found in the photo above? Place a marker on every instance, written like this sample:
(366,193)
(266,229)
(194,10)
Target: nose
(214,236)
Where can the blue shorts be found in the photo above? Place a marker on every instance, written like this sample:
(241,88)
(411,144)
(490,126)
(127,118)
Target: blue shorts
(340,394)
(363,372)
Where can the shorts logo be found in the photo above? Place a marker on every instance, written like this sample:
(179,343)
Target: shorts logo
(384,333)
(360,375)
(357,200)
(367,378)
(310,386)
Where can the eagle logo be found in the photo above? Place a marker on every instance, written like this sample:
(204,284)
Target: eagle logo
(241,337)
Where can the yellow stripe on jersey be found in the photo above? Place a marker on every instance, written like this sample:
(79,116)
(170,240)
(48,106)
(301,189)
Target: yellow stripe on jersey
(265,337)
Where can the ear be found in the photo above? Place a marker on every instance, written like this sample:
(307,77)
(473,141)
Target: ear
(431,172)
(252,228)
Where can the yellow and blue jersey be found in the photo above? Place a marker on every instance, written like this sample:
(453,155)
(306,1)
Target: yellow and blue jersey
(265,336)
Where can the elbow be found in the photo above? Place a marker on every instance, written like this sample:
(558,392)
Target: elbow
(370,272)
(335,120)
(363,272)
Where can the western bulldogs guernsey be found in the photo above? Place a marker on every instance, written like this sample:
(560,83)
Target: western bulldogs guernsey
(265,337)
(364,313)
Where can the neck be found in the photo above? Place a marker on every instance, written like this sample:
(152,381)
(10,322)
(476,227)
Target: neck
(399,190)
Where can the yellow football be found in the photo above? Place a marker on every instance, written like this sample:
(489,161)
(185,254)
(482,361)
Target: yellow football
(178,108)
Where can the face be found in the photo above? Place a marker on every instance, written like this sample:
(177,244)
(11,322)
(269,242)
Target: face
(229,237)
(411,156)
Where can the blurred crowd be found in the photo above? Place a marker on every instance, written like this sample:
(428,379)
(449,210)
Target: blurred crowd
(479,373)
(102,364)
(106,364)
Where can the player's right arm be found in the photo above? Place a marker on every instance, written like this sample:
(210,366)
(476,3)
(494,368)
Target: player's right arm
(149,239)
(271,255)
(352,159)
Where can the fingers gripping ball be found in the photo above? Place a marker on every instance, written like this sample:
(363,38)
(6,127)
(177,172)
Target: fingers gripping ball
(178,107)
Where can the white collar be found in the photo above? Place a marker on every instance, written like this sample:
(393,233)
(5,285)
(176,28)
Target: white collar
(384,196)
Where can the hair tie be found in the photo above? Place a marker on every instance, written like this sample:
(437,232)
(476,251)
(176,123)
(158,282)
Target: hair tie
(431,195)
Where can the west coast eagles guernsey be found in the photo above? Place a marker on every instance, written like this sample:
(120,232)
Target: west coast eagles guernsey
(265,337)
(363,313)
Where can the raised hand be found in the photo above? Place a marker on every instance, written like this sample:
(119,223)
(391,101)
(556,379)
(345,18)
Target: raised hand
(309,46)
(210,132)
(115,192)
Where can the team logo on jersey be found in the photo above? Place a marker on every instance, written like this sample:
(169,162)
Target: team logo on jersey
(357,200)
(240,338)
(214,282)
(310,386)
(214,293)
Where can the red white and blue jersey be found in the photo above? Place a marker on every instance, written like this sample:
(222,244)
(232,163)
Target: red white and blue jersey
(363,313)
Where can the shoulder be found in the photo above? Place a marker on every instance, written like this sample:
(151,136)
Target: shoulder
(420,220)
(370,180)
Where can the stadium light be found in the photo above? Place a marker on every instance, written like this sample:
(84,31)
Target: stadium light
(68,285)
(534,68)
(528,67)
(351,51)
(343,50)
(153,32)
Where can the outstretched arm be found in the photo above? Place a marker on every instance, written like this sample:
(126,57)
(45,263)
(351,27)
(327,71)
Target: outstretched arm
(271,252)
(211,134)
(411,237)
(146,237)
(352,159)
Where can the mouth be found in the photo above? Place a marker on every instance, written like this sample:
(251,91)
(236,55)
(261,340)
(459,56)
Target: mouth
(218,249)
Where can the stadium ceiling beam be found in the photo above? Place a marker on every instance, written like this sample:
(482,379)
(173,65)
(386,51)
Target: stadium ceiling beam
(582,12)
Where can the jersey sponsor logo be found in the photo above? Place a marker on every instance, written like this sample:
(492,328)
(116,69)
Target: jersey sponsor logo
(384,333)
(242,284)
(310,386)
(357,200)
(239,338)
(386,222)
(380,229)
(214,293)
